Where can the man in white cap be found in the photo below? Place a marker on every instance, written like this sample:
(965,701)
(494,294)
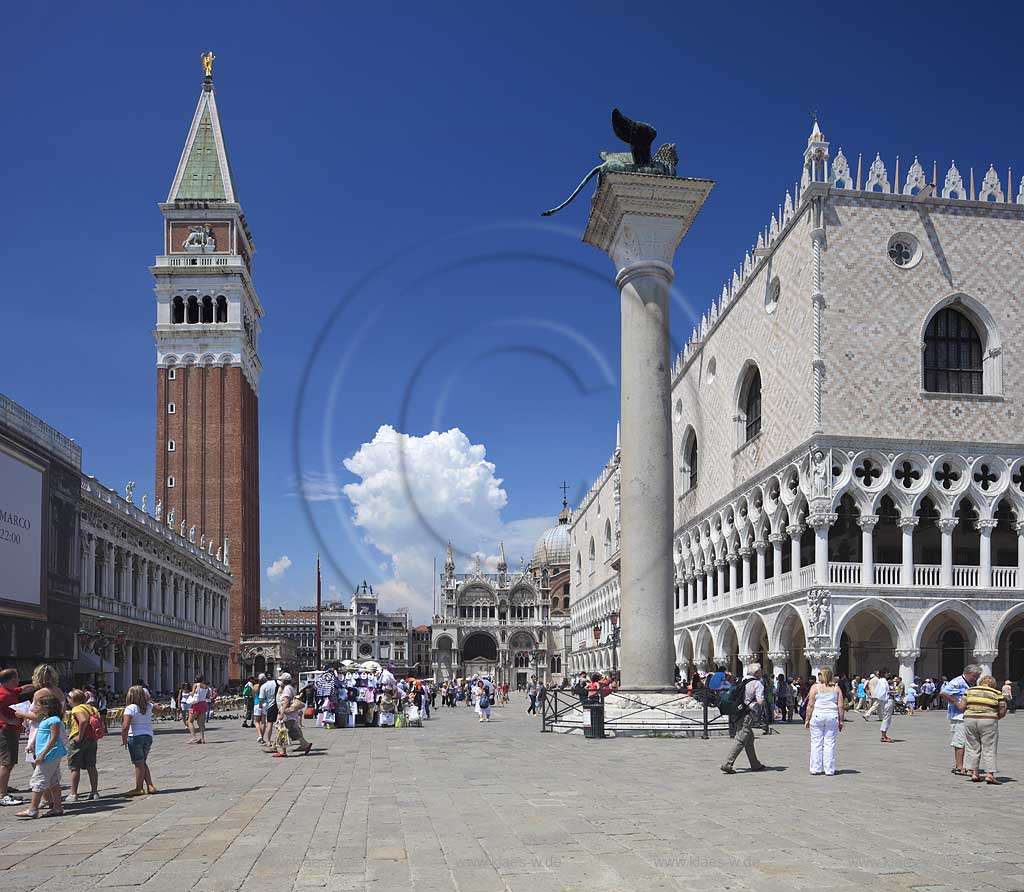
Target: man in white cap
(267,702)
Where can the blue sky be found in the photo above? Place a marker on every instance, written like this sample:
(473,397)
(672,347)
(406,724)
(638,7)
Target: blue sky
(392,164)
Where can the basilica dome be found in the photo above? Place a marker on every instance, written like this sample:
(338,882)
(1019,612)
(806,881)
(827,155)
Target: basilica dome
(552,547)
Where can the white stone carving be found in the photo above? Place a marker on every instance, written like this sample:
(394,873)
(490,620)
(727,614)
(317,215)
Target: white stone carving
(990,186)
(1020,192)
(200,240)
(877,176)
(819,612)
(787,212)
(773,230)
(158,511)
(841,172)
(954,183)
(916,179)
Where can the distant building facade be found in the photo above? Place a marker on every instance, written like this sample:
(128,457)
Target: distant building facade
(299,626)
(419,652)
(504,625)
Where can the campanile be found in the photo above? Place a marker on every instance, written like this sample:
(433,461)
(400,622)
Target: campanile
(207,337)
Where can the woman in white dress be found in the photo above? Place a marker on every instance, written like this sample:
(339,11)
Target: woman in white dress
(824,720)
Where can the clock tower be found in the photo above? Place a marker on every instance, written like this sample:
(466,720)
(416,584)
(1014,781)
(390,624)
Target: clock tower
(207,365)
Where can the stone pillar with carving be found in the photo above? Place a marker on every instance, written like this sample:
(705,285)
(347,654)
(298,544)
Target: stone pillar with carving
(907,526)
(821,522)
(946,526)
(867,523)
(907,660)
(746,555)
(1019,527)
(733,558)
(779,660)
(777,540)
(747,661)
(796,532)
(821,657)
(720,566)
(639,220)
(985,527)
(760,546)
(985,659)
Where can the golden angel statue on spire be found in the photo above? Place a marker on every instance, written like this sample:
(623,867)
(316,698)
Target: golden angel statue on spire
(207,59)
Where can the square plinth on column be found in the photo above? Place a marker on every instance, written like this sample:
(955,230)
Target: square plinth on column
(666,205)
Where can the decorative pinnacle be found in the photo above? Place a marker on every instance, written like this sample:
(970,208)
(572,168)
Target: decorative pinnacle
(207,60)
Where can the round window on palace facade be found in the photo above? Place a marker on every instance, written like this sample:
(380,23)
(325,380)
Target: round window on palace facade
(904,250)
(771,296)
(365,650)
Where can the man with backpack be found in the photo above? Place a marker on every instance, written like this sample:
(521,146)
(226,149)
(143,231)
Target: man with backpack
(247,701)
(744,703)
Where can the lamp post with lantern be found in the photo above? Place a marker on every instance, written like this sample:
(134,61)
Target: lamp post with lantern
(99,640)
(613,639)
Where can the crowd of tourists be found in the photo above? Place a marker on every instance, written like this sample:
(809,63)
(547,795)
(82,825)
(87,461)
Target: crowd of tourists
(974,703)
(58,725)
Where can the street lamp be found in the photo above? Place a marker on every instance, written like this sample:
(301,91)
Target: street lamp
(613,638)
(100,640)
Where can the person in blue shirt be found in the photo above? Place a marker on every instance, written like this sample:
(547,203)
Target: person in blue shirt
(717,680)
(49,749)
(953,693)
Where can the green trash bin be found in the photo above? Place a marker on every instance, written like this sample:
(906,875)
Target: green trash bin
(593,720)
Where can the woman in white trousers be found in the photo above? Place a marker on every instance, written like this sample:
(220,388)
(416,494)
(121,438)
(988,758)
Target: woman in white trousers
(824,720)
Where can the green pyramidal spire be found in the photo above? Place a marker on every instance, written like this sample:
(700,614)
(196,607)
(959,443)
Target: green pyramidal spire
(204,173)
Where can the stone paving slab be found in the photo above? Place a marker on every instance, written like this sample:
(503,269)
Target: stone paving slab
(459,806)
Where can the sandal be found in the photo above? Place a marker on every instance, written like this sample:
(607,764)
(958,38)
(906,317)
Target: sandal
(27,813)
(993,781)
(975,779)
(962,772)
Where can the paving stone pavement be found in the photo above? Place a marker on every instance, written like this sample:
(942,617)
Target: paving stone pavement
(470,807)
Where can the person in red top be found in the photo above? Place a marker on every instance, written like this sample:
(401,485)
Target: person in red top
(10,729)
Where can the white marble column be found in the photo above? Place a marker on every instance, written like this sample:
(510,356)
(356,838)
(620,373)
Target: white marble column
(907,660)
(158,670)
(778,660)
(777,540)
(821,523)
(985,527)
(144,670)
(907,525)
(108,569)
(639,221)
(1019,527)
(822,658)
(733,558)
(760,547)
(946,526)
(720,577)
(796,532)
(748,660)
(867,524)
(984,659)
(709,581)
(129,665)
(699,595)
(746,553)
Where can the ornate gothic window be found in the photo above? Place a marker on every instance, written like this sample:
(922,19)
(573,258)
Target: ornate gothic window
(688,465)
(222,309)
(750,405)
(192,310)
(593,555)
(952,354)
(177,311)
(207,310)
(607,539)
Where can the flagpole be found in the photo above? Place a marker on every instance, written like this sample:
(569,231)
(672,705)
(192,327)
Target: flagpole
(318,663)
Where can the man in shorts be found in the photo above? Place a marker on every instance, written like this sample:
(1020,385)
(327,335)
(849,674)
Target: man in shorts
(952,693)
(11,692)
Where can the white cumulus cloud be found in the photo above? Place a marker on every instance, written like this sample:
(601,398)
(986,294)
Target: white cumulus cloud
(278,567)
(416,493)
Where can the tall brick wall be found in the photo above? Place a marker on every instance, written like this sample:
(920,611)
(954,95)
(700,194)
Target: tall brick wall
(216,471)
(875,313)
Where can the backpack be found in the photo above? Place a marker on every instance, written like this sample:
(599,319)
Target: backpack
(94,728)
(731,702)
(484,702)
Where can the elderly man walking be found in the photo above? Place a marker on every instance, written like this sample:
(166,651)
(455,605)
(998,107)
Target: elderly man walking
(751,706)
(883,701)
(952,693)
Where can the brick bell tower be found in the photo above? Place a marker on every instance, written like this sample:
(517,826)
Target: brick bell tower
(207,334)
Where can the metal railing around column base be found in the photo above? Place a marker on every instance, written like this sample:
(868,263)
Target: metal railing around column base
(563,711)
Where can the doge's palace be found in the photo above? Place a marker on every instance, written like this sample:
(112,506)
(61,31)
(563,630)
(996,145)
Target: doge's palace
(849,437)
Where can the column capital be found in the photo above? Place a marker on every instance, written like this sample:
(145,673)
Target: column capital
(867,521)
(746,551)
(778,656)
(720,563)
(747,659)
(822,519)
(1019,527)
(822,655)
(984,656)
(733,557)
(761,546)
(776,538)
(985,526)
(947,524)
(908,522)
(907,655)
(640,219)
(795,530)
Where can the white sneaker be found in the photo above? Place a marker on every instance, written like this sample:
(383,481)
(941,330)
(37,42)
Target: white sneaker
(11,800)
